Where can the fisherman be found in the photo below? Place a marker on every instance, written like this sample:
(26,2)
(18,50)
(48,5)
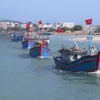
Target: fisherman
(93,50)
(75,48)
(47,43)
(71,59)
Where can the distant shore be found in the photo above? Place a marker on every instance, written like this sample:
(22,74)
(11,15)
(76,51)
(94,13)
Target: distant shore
(75,33)
(3,33)
(63,33)
(95,38)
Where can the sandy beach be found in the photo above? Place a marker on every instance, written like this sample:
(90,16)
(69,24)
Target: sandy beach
(80,36)
(97,39)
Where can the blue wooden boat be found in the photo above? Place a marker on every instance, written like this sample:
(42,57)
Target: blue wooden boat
(24,44)
(48,33)
(16,37)
(78,61)
(27,44)
(84,64)
(39,50)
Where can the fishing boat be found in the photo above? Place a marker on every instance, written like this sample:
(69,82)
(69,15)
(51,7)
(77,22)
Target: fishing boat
(79,60)
(48,33)
(16,36)
(27,44)
(40,48)
(28,40)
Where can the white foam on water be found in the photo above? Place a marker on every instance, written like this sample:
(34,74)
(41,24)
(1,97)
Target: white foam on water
(44,57)
(40,57)
(96,72)
(29,48)
(3,46)
(70,40)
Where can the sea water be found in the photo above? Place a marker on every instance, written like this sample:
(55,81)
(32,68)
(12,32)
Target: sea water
(26,78)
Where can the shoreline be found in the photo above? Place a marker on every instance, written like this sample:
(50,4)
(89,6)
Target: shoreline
(75,33)
(96,39)
(3,33)
(70,33)
(79,36)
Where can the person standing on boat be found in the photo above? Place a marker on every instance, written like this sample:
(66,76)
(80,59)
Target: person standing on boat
(92,51)
(75,48)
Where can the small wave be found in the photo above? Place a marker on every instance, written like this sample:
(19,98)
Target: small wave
(4,46)
(42,57)
(96,72)
(24,56)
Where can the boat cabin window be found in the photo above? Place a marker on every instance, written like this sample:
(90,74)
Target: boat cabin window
(37,44)
(74,57)
(77,57)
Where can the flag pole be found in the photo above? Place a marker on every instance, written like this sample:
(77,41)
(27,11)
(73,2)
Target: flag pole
(90,42)
(89,22)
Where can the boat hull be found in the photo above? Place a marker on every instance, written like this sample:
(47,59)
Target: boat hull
(16,38)
(38,52)
(84,64)
(26,44)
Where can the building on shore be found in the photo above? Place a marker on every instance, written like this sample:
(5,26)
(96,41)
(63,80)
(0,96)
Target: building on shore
(6,24)
(88,28)
(69,25)
(57,25)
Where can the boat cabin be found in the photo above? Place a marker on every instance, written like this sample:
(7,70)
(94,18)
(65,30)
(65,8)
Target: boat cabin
(72,55)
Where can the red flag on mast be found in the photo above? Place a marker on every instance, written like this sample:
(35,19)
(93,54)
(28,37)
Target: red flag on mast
(28,25)
(40,22)
(88,21)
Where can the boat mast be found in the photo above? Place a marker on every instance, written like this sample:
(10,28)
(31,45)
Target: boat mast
(89,22)
(19,26)
(90,42)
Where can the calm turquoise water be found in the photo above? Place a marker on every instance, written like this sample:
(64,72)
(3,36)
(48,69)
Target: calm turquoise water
(25,78)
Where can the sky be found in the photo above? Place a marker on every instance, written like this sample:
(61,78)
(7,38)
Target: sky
(76,11)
